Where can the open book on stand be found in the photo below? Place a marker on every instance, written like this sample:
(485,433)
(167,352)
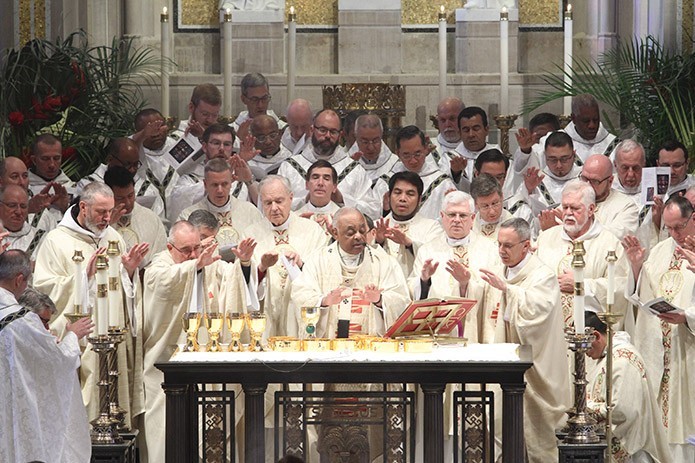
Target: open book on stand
(434,318)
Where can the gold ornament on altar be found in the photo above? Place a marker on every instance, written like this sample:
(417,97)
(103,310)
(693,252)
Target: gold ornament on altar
(191,324)
(235,325)
(214,322)
(256,321)
(227,235)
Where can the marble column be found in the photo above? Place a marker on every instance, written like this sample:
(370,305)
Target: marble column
(369,37)
(478,40)
(258,41)
(104,21)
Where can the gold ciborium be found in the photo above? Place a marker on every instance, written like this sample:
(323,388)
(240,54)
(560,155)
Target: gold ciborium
(256,322)
(191,324)
(235,324)
(214,322)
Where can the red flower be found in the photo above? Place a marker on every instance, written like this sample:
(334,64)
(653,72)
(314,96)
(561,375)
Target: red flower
(16,118)
(51,103)
(68,153)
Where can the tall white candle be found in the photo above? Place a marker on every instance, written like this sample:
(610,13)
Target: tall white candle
(610,297)
(166,55)
(567,101)
(291,53)
(442,53)
(77,290)
(115,298)
(579,301)
(504,61)
(102,312)
(227,60)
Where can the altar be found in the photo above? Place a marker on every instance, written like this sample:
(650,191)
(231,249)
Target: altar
(503,364)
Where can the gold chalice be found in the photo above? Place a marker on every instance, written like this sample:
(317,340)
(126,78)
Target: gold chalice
(214,322)
(310,316)
(256,322)
(235,324)
(191,323)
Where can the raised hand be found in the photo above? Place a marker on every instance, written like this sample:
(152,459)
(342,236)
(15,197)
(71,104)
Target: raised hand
(268,260)
(356,155)
(244,251)
(117,212)
(382,227)
(458,163)
(194,128)
(372,293)
(82,327)
(459,271)
(635,254)
(207,256)
(132,259)
(4,244)
(333,297)
(548,218)
(524,138)
(294,258)
(241,169)
(92,262)
(532,178)
(247,147)
(428,269)
(60,196)
(493,279)
(398,236)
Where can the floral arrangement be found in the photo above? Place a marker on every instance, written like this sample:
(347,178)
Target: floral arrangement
(83,95)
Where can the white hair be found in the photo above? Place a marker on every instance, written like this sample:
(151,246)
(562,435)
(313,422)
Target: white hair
(627,146)
(586,190)
(458,197)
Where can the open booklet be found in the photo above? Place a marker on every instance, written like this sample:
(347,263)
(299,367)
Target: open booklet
(660,305)
(430,317)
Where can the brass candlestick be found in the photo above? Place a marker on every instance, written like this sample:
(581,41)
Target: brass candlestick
(116,412)
(581,426)
(504,124)
(104,427)
(609,318)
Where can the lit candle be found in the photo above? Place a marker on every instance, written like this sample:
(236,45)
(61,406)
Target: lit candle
(227,60)
(579,300)
(102,298)
(504,61)
(115,298)
(567,101)
(166,55)
(291,53)
(78,301)
(610,297)
(442,53)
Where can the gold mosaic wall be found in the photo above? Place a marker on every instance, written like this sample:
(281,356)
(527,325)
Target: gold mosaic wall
(687,26)
(27,30)
(539,12)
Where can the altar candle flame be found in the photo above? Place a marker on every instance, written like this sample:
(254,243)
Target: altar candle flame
(292,10)
(165,10)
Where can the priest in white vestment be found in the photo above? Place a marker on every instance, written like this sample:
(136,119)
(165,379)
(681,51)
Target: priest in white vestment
(638,432)
(43,417)
(234,215)
(490,213)
(370,150)
(449,135)
(674,154)
(615,210)
(353,183)
(351,283)
(85,227)
(14,211)
(554,249)
(186,277)
(270,152)
(530,314)
(284,241)
(321,183)
(667,341)
(135,224)
(203,109)
(255,94)
(413,154)
(403,231)
(588,134)
(46,176)
(299,120)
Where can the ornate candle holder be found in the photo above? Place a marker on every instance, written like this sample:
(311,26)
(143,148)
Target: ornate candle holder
(564,120)
(191,324)
(256,322)
(235,324)
(115,411)
(504,124)
(581,426)
(214,322)
(104,427)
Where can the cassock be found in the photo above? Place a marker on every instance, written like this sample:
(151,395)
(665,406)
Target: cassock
(353,181)
(420,230)
(618,214)
(637,425)
(262,166)
(145,193)
(330,268)
(234,218)
(554,249)
(668,350)
(475,253)
(159,169)
(54,275)
(531,315)
(646,232)
(380,167)
(142,226)
(27,239)
(436,185)
(43,417)
(170,290)
(190,190)
(299,235)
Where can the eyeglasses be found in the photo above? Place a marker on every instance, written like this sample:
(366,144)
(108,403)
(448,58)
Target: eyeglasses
(461,215)
(409,156)
(509,246)
(271,136)
(592,181)
(679,227)
(487,207)
(375,142)
(187,251)
(259,99)
(675,165)
(325,130)
(22,206)
(561,160)
(128,165)
(218,143)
